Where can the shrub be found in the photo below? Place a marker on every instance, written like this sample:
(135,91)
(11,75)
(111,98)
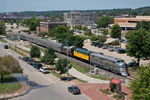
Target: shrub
(119,96)
(115,43)
(106,91)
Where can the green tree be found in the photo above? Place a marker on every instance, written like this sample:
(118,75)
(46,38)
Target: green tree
(138,44)
(115,31)
(79,27)
(102,39)
(115,43)
(58,31)
(43,34)
(94,38)
(140,86)
(85,28)
(104,21)
(35,52)
(8,65)
(49,56)
(105,32)
(143,25)
(2,28)
(32,23)
(78,41)
(88,33)
(61,65)
(69,40)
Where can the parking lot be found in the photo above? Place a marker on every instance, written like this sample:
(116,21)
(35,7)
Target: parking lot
(114,54)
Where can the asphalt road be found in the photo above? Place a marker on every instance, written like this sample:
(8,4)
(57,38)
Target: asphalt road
(44,86)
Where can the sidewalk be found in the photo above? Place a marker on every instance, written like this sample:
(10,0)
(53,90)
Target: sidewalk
(82,76)
(92,90)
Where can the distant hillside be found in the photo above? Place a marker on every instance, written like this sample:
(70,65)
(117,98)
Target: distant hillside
(110,12)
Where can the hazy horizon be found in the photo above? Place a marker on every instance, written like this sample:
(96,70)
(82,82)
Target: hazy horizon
(57,5)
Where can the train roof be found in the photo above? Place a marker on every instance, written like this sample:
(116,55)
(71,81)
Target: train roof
(107,57)
(40,39)
(81,50)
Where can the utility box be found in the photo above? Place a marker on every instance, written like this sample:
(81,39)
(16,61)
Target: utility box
(96,70)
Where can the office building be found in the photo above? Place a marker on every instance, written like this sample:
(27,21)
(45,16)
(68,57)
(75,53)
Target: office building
(80,18)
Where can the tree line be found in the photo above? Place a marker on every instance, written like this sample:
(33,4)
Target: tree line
(66,36)
(108,12)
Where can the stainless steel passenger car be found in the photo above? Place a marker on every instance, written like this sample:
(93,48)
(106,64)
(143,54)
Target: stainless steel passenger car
(45,43)
(115,65)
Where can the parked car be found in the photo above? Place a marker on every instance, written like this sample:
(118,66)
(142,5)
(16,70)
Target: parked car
(132,64)
(124,40)
(5,46)
(110,48)
(44,70)
(99,45)
(105,46)
(95,44)
(92,43)
(37,65)
(116,48)
(20,58)
(74,90)
(31,61)
(25,59)
(121,51)
(113,48)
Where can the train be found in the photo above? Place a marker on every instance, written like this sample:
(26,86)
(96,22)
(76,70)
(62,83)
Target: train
(115,65)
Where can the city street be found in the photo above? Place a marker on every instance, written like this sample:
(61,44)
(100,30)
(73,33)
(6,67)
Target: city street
(43,86)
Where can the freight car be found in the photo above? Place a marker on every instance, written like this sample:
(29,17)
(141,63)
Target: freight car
(116,65)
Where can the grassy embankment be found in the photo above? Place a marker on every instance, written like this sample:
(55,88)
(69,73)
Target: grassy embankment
(4,41)
(84,71)
(7,86)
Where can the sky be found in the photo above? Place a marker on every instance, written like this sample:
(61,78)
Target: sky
(50,5)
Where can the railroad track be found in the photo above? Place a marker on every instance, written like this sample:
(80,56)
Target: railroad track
(101,71)
(88,67)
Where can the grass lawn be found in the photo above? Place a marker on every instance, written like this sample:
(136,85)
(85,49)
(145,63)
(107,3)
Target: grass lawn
(8,78)
(8,88)
(17,51)
(80,69)
(26,51)
(132,72)
(28,46)
(3,40)
(99,77)
(82,81)
(56,74)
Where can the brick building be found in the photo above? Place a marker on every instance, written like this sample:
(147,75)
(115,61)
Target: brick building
(47,26)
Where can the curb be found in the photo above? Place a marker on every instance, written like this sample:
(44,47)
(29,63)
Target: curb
(16,94)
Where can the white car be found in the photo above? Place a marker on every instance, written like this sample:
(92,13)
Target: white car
(44,70)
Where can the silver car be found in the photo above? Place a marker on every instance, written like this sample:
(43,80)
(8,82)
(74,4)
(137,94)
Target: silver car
(44,70)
